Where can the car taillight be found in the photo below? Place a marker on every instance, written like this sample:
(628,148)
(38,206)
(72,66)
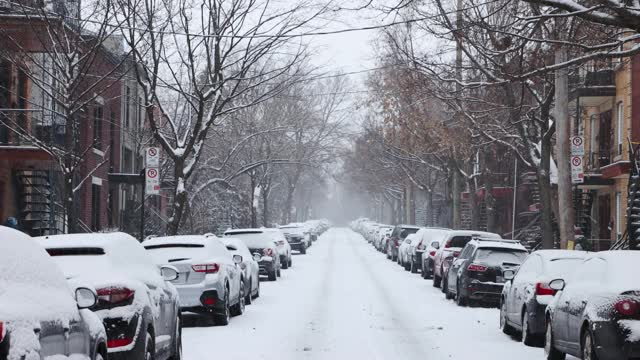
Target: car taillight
(544,289)
(476,267)
(432,253)
(268,252)
(447,245)
(206,268)
(626,307)
(115,343)
(420,246)
(2,331)
(115,295)
(456,253)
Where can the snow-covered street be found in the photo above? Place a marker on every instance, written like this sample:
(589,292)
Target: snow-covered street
(344,300)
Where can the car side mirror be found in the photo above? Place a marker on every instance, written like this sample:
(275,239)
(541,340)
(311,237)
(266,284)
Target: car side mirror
(557,284)
(237,259)
(169,273)
(436,245)
(508,274)
(85,298)
(257,257)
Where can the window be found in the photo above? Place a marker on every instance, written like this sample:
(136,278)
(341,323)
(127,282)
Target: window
(140,114)
(618,211)
(97,127)
(620,125)
(95,207)
(466,252)
(593,138)
(127,105)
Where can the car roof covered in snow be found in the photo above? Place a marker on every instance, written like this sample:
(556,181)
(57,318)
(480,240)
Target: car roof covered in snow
(178,239)
(481,234)
(496,243)
(554,254)
(103,240)
(32,287)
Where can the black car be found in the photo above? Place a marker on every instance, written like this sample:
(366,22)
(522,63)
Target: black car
(260,242)
(298,237)
(38,311)
(399,233)
(476,275)
(136,301)
(596,312)
(525,297)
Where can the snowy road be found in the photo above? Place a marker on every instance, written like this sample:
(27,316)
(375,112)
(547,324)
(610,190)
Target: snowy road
(344,300)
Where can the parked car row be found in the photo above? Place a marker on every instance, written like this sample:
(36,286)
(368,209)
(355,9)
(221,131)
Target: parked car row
(571,302)
(108,296)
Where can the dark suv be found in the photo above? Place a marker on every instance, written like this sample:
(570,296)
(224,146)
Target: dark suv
(399,233)
(477,274)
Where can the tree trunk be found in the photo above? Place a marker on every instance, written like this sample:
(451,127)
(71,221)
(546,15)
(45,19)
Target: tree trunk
(455,201)
(265,206)
(253,209)
(473,205)
(179,199)
(546,199)
(430,212)
(286,215)
(69,208)
(490,202)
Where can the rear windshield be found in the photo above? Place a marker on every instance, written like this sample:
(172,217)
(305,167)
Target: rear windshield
(76,251)
(498,256)
(407,231)
(254,240)
(559,267)
(459,241)
(163,253)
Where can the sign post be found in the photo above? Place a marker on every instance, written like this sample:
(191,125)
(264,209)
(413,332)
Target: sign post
(577,171)
(577,145)
(152,171)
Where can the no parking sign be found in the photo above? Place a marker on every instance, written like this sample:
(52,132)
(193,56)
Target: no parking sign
(577,171)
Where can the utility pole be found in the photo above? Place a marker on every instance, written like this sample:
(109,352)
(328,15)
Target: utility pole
(561,112)
(455,188)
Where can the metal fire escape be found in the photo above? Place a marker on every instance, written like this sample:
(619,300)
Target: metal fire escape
(39,213)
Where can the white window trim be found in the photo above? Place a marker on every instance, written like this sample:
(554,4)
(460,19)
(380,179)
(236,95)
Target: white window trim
(96,181)
(620,120)
(618,215)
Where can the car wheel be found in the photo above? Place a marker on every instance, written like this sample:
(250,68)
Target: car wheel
(588,348)
(407,266)
(504,326)
(550,351)
(290,261)
(414,267)
(303,250)
(460,299)
(224,319)
(445,287)
(436,280)
(285,265)
(238,309)
(527,338)
(279,273)
(177,341)
(273,276)
(257,290)
(149,347)
(247,297)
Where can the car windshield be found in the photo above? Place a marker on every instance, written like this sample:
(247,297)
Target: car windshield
(254,240)
(163,253)
(561,267)
(498,256)
(459,241)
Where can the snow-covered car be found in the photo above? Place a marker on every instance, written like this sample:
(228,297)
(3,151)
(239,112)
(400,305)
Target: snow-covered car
(596,311)
(399,233)
(249,266)
(432,239)
(136,301)
(283,246)
(477,274)
(382,237)
(259,241)
(451,246)
(404,249)
(297,237)
(210,280)
(425,237)
(39,316)
(525,296)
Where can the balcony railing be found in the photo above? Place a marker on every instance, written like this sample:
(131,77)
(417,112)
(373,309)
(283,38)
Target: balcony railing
(20,127)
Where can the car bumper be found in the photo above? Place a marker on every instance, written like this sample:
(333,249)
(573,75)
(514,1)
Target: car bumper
(298,246)
(485,292)
(417,257)
(190,294)
(119,329)
(266,267)
(611,340)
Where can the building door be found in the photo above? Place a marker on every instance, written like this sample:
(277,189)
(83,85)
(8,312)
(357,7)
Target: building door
(605,134)
(95,207)
(604,216)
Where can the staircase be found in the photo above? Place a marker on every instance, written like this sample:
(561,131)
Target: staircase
(582,204)
(39,214)
(632,237)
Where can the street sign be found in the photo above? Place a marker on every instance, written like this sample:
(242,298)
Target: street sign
(577,146)
(152,181)
(577,171)
(152,157)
